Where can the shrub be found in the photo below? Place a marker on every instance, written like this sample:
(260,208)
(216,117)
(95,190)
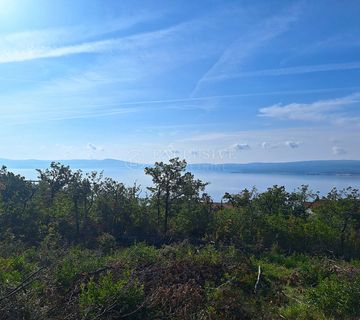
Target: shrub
(302,311)
(117,295)
(76,261)
(106,242)
(337,297)
(140,254)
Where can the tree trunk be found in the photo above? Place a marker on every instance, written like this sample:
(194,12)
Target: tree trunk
(167,211)
(77,219)
(343,233)
(85,220)
(158,207)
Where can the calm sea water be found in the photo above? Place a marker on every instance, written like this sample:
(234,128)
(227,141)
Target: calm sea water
(221,182)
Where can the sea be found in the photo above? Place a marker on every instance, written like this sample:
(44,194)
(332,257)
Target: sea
(221,182)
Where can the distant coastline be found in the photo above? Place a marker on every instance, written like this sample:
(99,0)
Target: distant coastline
(315,167)
(302,174)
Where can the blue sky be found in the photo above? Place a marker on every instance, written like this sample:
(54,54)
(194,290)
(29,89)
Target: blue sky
(210,81)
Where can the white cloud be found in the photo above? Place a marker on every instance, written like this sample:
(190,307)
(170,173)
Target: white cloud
(58,42)
(31,52)
(346,120)
(265,145)
(71,34)
(49,52)
(268,145)
(315,111)
(336,150)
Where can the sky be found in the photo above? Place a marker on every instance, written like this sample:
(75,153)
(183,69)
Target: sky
(208,81)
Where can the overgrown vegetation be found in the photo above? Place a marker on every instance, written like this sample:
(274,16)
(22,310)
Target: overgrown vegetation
(78,246)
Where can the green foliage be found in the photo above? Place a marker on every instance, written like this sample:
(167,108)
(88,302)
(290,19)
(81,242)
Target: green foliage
(302,311)
(141,254)
(337,297)
(107,291)
(74,263)
(12,270)
(106,242)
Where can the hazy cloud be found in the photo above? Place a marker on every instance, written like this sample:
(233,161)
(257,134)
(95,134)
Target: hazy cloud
(293,144)
(235,54)
(241,146)
(93,147)
(338,150)
(294,70)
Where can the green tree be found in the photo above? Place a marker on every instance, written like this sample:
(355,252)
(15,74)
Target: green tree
(244,199)
(17,211)
(340,209)
(54,179)
(172,183)
(273,201)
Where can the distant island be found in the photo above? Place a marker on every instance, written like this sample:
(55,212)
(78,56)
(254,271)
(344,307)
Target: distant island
(315,167)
